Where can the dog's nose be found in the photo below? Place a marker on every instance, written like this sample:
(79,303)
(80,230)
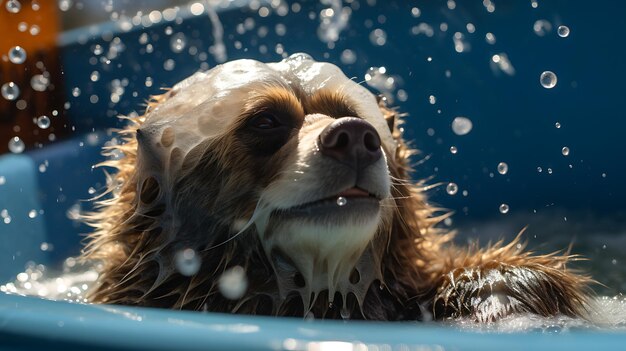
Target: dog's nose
(351,141)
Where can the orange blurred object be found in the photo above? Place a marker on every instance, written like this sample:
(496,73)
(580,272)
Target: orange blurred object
(35,28)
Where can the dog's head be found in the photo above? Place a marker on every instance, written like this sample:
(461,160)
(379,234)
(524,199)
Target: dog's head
(292,155)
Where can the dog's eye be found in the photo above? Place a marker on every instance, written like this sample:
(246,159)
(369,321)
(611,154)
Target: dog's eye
(264,121)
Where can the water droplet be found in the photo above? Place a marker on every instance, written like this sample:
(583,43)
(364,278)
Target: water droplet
(461,125)
(565,151)
(542,27)
(342,201)
(345,313)
(32,213)
(73,212)
(563,31)
(16,145)
(503,168)
(34,29)
(504,208)
(65,5)
(187,262)
(95,75)
(233,283)
(49,247)
(17,55)
(348,57)
(169,64)
(452,188)
(548,79)
(178,42)
(39,82)
(10,91)
(501,62)
(76,92)
(453,150)
(378,37)
(557,125)
(43,122)
(13,6)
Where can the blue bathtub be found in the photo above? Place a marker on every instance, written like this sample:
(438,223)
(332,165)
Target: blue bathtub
(503,108)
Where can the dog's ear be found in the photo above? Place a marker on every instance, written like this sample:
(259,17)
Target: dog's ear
(389,114)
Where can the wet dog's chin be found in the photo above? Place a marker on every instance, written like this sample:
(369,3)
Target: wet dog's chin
(338,209)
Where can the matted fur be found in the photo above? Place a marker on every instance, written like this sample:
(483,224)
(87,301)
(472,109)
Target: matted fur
(419,272)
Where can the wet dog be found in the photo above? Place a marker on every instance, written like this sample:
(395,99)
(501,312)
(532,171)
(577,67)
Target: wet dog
(297,177)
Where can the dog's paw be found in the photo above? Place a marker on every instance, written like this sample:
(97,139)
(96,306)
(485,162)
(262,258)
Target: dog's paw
(494,291)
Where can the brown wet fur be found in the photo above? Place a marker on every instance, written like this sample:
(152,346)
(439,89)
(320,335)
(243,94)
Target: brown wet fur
(425,275)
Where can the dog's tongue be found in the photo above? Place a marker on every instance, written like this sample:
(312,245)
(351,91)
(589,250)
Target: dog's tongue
(353,192)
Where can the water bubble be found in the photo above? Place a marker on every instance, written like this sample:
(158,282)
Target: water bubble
(557,125)
(565,151)
(539,169)
(452,188)
(348,57)
(342,201)
(548,79)
(10,91)
(76,92)
(13,6)
(549,170)
(432,99)
(453,150)
(17,55)
(43,122)
(187,262)
(563,31)
(461,125)
(3,180)
(178,42)
(542,27)
(490,38)
(504,208)
(32,213)
(378,37)
(16,145)
(233,283)
(39,82)
(503,168)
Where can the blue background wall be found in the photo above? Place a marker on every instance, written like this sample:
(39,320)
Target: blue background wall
(514,117)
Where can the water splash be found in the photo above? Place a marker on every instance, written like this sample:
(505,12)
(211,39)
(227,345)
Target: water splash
(333,21)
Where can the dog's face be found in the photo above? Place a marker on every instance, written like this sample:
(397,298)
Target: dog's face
(293,149)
